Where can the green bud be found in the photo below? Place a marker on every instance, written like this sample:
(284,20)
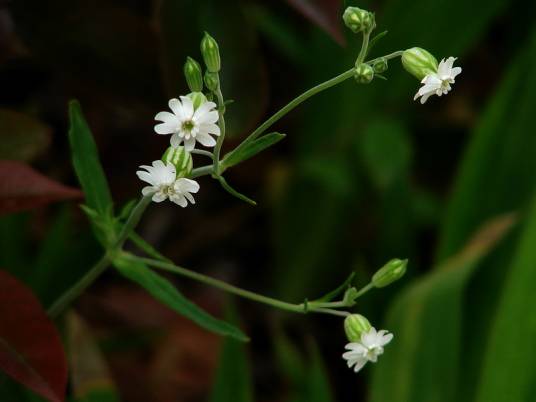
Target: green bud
(390,272)
(419,62)
(363,73)
(212,81)
(380,66)
(354,326)
(193,74)
(358,20)
(181,158)
(198,98)
(211,53)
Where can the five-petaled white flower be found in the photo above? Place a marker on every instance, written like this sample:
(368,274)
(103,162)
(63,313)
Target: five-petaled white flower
(188,124)
(438,83)
(368,349)
(164,184)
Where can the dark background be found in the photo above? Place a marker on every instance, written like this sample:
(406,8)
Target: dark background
(365,174)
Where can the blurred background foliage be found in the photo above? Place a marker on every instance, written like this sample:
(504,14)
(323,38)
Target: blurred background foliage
(364,175)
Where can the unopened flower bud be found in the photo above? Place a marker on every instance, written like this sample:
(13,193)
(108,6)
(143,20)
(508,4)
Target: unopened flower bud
(354,326)
(363,73)
(419,62)
(193,74)
(390,272)
(198,98)
(358,20)
(211,53)
(212,81)
(181,158)
(380,66)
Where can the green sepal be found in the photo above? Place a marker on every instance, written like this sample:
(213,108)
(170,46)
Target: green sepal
(193,75)
(251,149)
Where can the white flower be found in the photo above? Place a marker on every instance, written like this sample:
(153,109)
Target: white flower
(368,349)
(164,184)
(187,124)
(438,83)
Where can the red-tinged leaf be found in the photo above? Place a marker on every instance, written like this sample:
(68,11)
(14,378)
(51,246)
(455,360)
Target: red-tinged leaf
(23,188)
(30,348)
(22,136)
(326,14)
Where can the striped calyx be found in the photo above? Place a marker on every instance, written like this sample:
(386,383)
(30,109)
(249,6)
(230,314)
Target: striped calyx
(419,62)
(180,158)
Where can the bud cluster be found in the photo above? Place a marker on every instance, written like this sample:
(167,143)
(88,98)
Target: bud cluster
(359,20)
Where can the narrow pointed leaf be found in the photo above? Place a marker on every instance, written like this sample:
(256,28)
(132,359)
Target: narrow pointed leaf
(86,162)
(162,290)
(340,289)
(251,149)
(30,348)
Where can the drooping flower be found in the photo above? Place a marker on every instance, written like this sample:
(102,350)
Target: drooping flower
(164,184)
(367,349)
(188,124)
(438,83)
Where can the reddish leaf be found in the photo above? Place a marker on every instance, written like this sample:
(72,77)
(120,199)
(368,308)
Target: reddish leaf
(22,136)
(30,347)
(324,13)
(23,188)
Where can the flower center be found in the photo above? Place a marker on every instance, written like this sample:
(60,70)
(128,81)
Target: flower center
(187,126)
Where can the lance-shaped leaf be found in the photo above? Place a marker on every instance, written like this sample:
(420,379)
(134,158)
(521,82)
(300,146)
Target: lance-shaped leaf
(86,162)
(22,188)
(162,290)
(251,149)
(30,347)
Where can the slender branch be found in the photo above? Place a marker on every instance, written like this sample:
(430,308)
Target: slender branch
(221,138)
(201,171)
(292,104)
(202,152)
(387,57)
(364,48)
(72,293)
(295,308)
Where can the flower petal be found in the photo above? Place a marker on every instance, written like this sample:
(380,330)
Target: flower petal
(165,128)
(187,108)
(189,144)
(209,128)
(176,107)
(205,139)
(175,140)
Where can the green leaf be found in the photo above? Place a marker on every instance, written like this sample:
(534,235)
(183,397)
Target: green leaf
(86,162)
(251,149)
(497,172)
(510,361)
(162,290)
(233,377)
(235,193)
(423,362)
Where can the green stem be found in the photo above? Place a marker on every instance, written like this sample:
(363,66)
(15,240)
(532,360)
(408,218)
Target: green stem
(386,57)
(364,48)
(202,152)
(201,171)
(72,293)
(295,308)
(364,290)
(221,138)
(292,104)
